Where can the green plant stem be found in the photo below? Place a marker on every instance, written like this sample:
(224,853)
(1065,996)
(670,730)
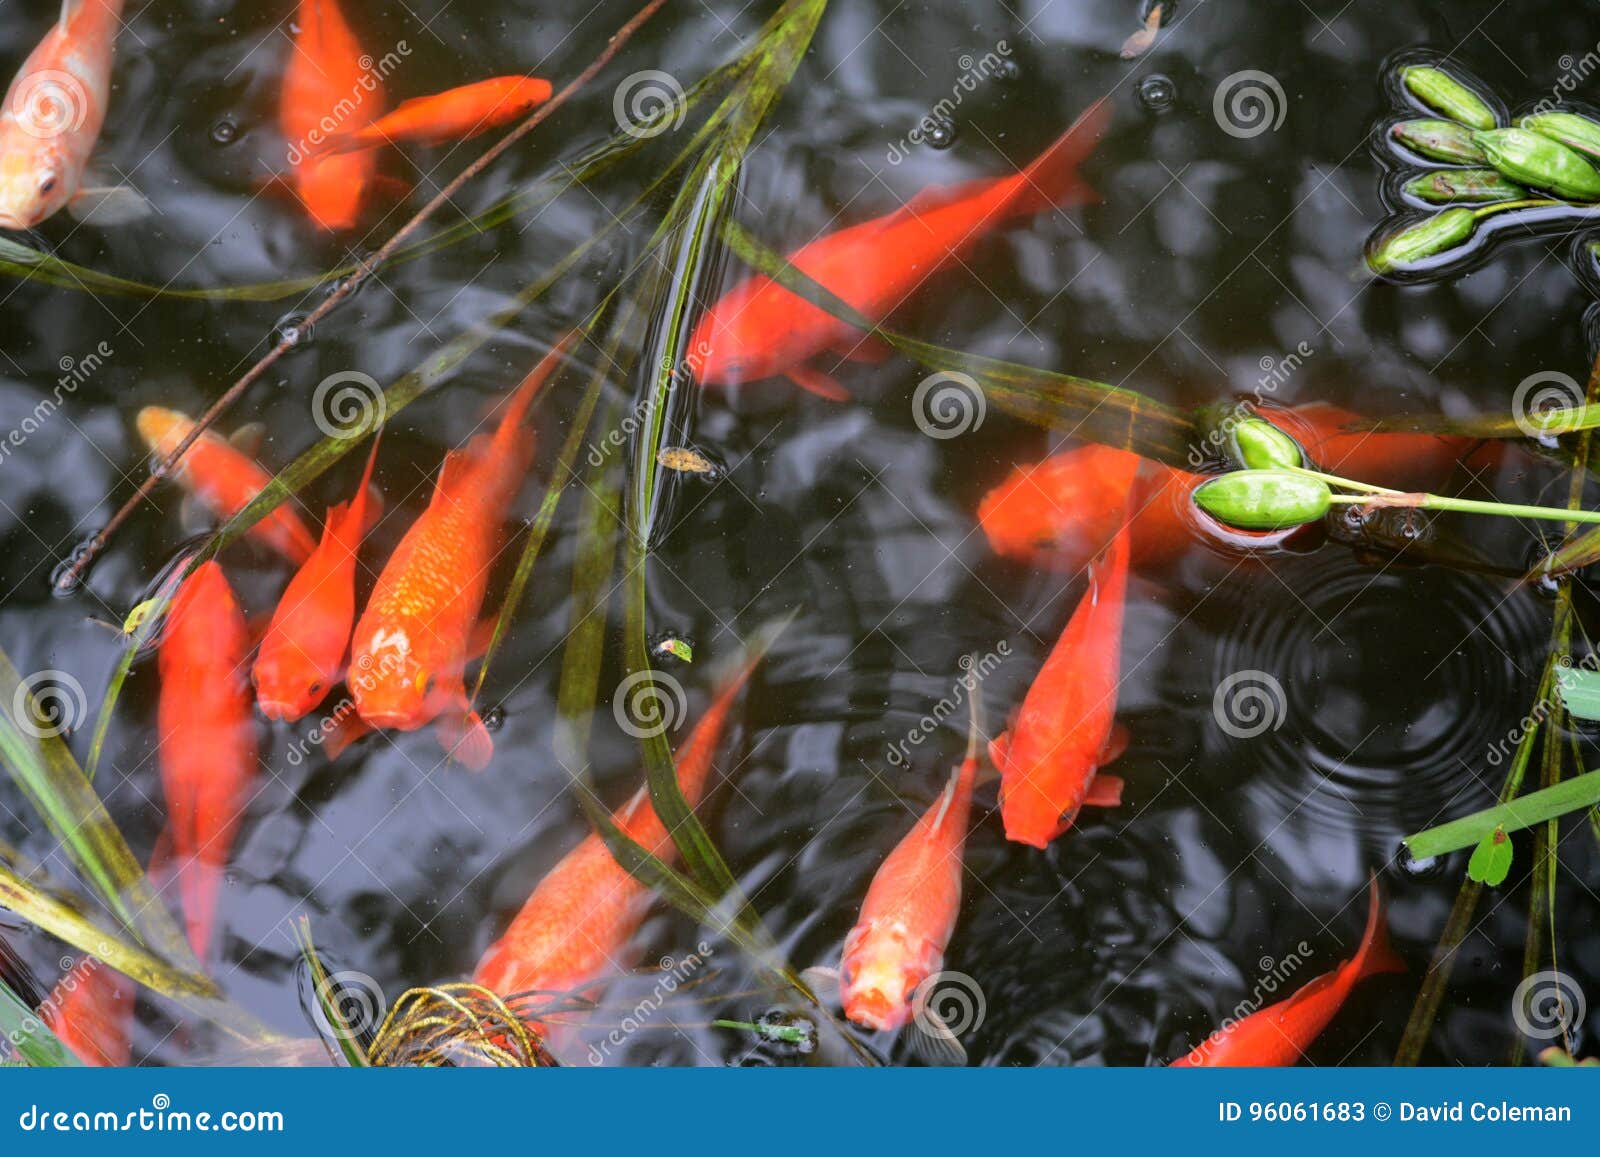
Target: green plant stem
(1470,506)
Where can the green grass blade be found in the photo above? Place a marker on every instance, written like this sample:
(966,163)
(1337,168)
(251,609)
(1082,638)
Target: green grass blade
(1572,795)
(346,1036)
(26,1031)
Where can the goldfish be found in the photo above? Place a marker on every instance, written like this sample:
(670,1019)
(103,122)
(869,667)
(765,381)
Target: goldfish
(457,114)
(577,924)
(1401,460)
(206,744)
(91,1010)
(760,329)
(1049,758)
(223,478)
(326,80)
(52,117)
(412,643)
(910,911)
(1280,1033)
(303,650)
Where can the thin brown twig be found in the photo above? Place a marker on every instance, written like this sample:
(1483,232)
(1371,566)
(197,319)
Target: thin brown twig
(85,555)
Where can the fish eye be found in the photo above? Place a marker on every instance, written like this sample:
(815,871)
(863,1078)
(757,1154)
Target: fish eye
(48,184)
(316,687)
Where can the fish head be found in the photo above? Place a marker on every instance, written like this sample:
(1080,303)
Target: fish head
(162,429)
(878,974)
(37,178)
(288,684)
(391,685)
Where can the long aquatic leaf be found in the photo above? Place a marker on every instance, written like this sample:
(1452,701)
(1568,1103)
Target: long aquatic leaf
(1572,795)
(31,1038)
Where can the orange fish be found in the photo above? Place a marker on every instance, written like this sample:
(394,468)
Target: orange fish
(456,115)
(206,738)
(1404,461)
(910,910)
(326,81)
(91,1010)
(1281,1033)
(224,479)
(576,926)
(409,657)
(302,653)
(761,330)
(1063,732)
(53,113)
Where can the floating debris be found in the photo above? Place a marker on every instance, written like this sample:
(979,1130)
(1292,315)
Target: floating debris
(687,460)
(456,1025)
(1139,43)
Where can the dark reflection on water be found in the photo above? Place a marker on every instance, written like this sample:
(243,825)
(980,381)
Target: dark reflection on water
(1210,258)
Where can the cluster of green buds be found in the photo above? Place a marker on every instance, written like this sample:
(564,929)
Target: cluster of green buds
(1545,161)
(1275,489)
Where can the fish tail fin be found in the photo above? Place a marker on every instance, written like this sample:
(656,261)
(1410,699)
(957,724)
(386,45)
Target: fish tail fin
(199,883)
(1375,954)
(351,520)
(1052,180)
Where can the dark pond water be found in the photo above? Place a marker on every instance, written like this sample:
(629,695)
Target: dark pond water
(1211,257)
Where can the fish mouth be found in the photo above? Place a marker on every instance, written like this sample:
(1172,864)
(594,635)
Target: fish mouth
(279,710)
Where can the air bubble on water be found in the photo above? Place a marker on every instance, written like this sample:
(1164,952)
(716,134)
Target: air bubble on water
(1157,92)
(1007,70)
(292,328)
(1423,868)
(939,132)
(494,718)
(224,132)
(61,584)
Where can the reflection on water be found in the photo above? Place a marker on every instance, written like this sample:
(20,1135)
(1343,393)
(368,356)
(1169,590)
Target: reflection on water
(1211,255)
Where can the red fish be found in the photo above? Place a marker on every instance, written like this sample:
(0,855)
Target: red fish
(456,115)
(302,653)
(910,910)
(326,81)
(1404,461)
(1064,731)
(1280,1034)
(206,738)
(224,479)
(760,329)
(411,645)
(53,113)
(577,925)
(91,1010)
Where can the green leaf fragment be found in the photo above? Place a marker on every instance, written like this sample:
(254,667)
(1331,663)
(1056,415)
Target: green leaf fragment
(1491,859)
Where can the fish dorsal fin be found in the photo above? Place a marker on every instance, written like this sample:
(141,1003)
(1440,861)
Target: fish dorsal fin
(247,439)
(946,799)
(457,470)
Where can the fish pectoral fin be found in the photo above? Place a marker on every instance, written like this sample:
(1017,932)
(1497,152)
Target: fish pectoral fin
(932,1042)
(1115,745)
(866,348)
(109,205)
(815,381)
(824,982)
(391,187)
(347,728)
(465,739)
(1104,791)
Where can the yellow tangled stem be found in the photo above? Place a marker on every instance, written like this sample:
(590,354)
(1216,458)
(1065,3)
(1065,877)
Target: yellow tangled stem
(456,1025)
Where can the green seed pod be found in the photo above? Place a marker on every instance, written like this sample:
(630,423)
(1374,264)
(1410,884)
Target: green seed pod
(1428,238)
(1531,159)
(1447,96)
(1474,186)
(1440,141)
(1264,499)
(1259,445)
(1569,128)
